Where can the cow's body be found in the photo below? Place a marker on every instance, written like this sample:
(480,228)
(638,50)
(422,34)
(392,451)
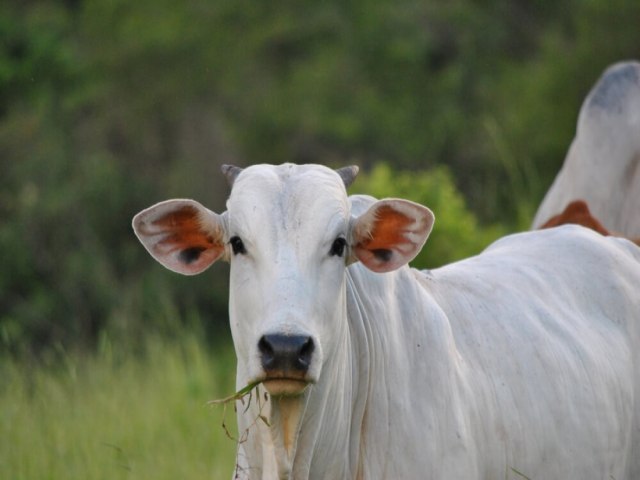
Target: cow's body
(545,359)
(602,166)
(520,361)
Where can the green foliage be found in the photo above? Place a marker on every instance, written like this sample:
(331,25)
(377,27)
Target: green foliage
(456,233)
(118,416)
(108,106)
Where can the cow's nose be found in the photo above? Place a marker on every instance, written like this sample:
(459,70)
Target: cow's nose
(286,355)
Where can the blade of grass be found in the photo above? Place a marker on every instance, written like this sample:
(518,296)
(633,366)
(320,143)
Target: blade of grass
(519,473)
(236,396)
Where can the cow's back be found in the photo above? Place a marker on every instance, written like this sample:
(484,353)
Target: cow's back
(547,326)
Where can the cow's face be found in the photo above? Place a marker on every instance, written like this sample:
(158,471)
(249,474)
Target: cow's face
(289,235)
(288,228)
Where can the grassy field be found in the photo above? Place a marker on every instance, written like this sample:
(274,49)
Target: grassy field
(121,416)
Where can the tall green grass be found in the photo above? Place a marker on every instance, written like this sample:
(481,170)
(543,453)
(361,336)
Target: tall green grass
(118,416)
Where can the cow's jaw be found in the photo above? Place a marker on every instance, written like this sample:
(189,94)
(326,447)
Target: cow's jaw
(285,387)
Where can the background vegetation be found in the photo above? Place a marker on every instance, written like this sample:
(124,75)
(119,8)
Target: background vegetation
(107,106)
(111,416)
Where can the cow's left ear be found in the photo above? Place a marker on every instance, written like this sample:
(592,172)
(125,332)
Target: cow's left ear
(390,234)
(182,235)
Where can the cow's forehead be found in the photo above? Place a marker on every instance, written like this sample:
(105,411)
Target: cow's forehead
(292,195)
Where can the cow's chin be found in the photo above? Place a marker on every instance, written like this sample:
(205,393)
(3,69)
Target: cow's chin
(289,387)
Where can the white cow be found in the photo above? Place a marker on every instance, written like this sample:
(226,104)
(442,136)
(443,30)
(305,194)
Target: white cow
(602,166)
(521,361)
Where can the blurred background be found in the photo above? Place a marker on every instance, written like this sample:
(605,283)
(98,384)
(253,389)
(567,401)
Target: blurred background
(108,106)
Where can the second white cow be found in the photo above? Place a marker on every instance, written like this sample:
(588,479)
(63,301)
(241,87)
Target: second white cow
(602,166)
(521,361)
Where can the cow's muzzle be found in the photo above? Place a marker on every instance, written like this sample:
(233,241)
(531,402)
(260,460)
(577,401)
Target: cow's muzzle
(285,360)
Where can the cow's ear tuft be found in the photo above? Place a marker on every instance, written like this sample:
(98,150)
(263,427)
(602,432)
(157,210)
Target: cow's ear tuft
(390,234)
(182,235)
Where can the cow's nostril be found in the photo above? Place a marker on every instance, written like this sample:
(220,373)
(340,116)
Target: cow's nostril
(304,356)
(266,352)
(286,355)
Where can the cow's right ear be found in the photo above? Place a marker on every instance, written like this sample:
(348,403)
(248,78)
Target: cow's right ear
(390,233)
(182,235)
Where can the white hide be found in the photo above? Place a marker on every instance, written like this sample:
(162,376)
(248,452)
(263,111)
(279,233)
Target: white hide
(602,166)
(519,361)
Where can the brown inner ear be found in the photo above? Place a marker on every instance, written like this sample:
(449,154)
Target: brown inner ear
(184,232)
(388,230)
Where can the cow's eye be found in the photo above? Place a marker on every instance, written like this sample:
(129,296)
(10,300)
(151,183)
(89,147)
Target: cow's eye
(337,248)
(237,246)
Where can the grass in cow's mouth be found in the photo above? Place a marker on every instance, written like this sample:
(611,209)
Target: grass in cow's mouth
(239,395)
(520,473)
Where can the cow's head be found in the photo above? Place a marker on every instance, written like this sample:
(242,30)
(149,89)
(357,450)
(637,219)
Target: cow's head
(289,235)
